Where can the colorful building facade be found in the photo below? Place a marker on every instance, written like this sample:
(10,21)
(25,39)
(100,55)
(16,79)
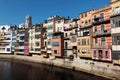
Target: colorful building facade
(115,30)
(102,40)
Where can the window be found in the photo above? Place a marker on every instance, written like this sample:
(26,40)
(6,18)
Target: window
(96,41)
(48,48)
(21,43)
(21,50)
(119,24)
(117,9)
(45,43)
(59,21)
(66,35)
(118,40)
(73,39)
(50,28)
(106,54)
(100,54)
(13,38)
(22,32)
(103,41)
(88,41)
(86,22)
(82,16)
(85,14)
(8,49)
(78,50)
(102,16)
(56,51)
(37,49)
(49,42)
(55,44)
(94,54)
(102,27)
(37,43)
(22,37)
(37,36)
(66,45)
(84,32)
(83,41)
(50,34)
(37,30)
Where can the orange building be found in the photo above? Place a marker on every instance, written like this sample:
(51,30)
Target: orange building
(57,44)
(102,40)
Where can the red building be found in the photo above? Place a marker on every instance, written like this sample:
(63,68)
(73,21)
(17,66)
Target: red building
(102,40)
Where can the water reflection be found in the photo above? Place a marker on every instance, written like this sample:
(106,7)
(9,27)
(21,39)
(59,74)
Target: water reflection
(19,70)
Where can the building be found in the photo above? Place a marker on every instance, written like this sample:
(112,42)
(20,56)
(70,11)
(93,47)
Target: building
(57,40)
(102,40)
(44,41)
(50,27)
(68,51)
(22,45)
(35,39)
(115,30)
(57,44)
(14,37)
(84,38)
(6,39)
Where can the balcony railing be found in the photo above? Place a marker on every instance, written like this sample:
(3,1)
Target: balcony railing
(75,26)
(100,20)
(102,33)
(69,28)
(102,47)
(86,25)
(68,48)
(115,14)
(66,38)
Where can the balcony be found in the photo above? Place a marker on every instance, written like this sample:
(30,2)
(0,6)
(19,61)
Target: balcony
(68,48)
(66,38)
(54,37)
(115,14)
(100,20)
(84,55)
(43,48)
(75,26)
(73,33)
(102,47)
(68,28)
(102,33)
(85,26)
(45,37)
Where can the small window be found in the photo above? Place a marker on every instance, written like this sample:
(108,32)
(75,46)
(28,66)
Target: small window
(94,54)
(8,49)
(106,54)
(95,28)
(102,27)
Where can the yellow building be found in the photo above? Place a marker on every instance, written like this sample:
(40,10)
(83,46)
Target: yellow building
(84,39)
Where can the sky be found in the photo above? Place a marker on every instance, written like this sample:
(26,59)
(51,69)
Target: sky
(14,11)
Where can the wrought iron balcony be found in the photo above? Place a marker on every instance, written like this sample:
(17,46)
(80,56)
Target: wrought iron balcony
(100,20)
(85,26)
(75,26)
(115,14)
(102,33)
(102,47)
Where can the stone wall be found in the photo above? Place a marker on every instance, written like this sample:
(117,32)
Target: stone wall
(98,68)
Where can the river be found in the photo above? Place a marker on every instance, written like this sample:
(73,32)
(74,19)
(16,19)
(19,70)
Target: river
(20,70)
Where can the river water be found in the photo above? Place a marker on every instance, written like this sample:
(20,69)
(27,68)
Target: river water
(20,70)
